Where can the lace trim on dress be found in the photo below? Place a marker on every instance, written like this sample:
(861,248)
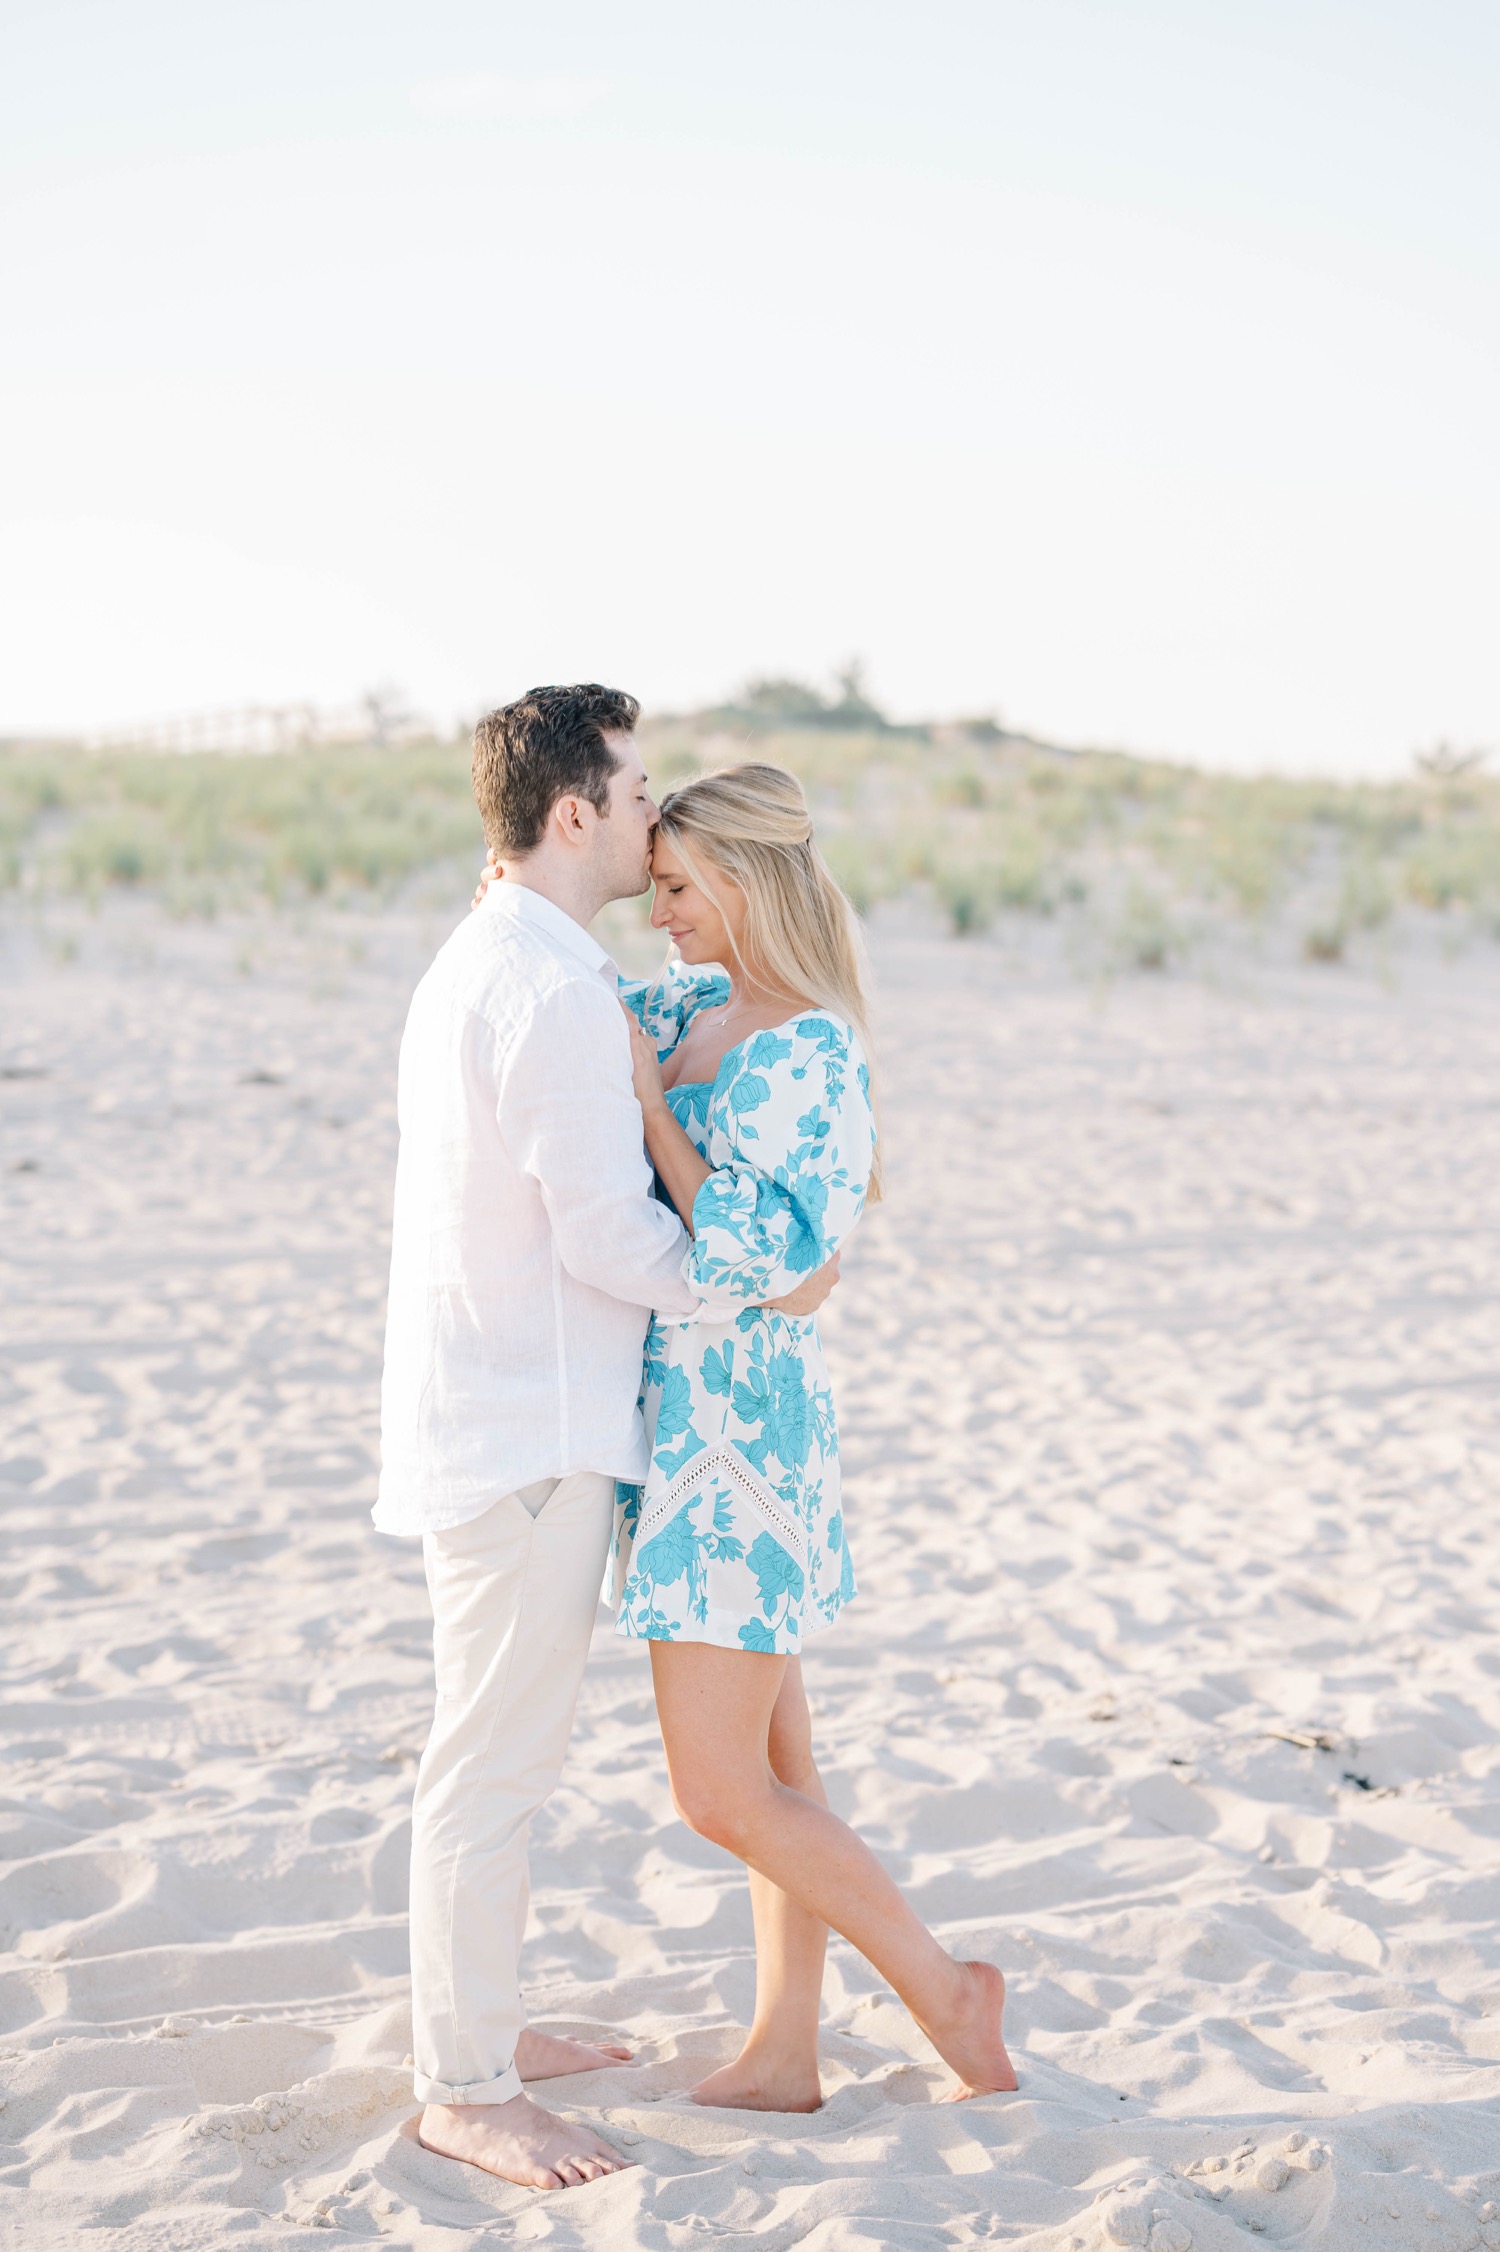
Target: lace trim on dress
(730,1463)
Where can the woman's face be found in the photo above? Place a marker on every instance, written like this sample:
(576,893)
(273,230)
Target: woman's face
(700,931)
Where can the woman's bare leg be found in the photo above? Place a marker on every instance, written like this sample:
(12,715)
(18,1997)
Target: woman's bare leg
(777,2069)
(715,1707)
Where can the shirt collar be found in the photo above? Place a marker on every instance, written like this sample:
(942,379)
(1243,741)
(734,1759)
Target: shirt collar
(524,905)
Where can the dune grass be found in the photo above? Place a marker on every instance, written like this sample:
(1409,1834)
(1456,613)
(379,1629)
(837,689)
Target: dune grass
(1005,826)
(208,831)
(982,824)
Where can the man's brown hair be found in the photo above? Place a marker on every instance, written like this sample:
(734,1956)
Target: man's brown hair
(548,744)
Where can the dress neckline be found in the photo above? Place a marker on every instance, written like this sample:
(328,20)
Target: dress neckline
(784,1026)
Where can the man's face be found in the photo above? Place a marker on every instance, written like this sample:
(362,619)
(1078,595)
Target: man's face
(622,840)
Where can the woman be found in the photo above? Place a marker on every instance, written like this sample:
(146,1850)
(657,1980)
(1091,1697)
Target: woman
(755,1091)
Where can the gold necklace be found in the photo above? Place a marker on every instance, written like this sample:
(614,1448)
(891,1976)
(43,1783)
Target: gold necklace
(720,1022)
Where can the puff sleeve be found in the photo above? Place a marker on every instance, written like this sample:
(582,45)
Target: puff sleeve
(797,1116)
(665,1006)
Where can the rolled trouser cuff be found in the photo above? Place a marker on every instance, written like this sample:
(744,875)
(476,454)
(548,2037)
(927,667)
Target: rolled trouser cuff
(472,2091)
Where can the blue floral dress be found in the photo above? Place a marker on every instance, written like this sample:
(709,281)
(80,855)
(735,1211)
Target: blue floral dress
(737,1536)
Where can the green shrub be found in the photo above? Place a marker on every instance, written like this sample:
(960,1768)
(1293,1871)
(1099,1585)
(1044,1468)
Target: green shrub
(1367,896)
(125,849)
(969,899)
(1025,866)
(1452,867)
(1147,937)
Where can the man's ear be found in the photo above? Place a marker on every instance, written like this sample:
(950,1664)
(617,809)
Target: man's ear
(568,815)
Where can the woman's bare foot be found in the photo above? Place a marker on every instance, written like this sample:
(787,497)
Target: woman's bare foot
(551,2056)
(518,2141)
(968,2036)
(757,2081)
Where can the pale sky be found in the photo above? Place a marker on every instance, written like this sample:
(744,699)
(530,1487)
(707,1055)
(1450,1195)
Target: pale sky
(1129,367)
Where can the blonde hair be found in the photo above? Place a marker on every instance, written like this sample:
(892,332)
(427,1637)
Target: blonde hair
(751,824)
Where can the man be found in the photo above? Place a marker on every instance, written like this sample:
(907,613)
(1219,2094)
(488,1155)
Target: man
(527,1256)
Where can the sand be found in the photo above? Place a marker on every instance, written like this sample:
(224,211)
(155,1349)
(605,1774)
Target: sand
(1168,1379)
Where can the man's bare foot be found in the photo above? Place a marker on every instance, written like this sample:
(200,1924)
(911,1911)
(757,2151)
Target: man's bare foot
(968,2036)
(759,2082)
(518,2141)
(551,2056)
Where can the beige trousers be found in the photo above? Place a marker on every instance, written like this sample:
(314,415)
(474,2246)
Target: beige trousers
(514,1597)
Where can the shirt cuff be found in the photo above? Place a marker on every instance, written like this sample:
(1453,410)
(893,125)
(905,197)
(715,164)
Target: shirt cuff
(499,2090)
(702,1311)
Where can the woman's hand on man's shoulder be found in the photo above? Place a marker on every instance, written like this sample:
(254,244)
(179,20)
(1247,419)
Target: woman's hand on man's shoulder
(487,875)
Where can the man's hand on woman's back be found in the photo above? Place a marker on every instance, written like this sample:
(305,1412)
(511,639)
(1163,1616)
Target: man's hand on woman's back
(810,1295)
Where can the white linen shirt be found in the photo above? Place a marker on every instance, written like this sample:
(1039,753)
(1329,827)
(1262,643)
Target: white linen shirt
(527,1249)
